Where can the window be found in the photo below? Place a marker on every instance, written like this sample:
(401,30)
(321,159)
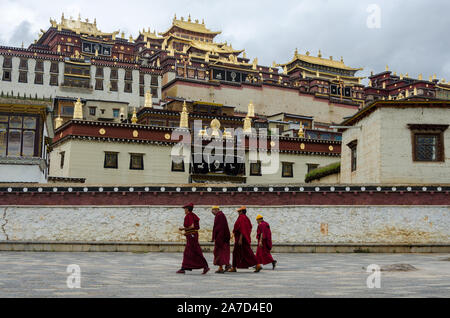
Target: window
(128,88)
(99,72)
(7,62)
(39,66)
(92,111)
(7,76)
(54,67)
(39,78)
(312,166)
(255,168)
(154,81)
(288,170)
(53,80)
(141,91)
(178,164)
(23,77)
(111,160)
(128,75)
(23,65)
(114,74)
(354,154)
(141,79)
(154,91)
(114,87)
(428,142)
(99,84)
(67,111)
(136,161)
(63,155)
(116,113)
(18,135)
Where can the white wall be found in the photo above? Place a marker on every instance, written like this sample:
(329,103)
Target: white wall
(295,224)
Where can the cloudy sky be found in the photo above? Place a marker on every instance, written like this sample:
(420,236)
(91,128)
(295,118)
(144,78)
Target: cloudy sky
(410,36)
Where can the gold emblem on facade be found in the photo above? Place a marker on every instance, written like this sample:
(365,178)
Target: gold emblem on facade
(273,144)
(167,136)
(102,131)
(302,146)
(331,148)
(135,134)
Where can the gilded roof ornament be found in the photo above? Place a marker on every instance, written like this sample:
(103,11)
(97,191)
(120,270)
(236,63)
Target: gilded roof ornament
(134,119)
(79,26)
(184,118)
(78,110)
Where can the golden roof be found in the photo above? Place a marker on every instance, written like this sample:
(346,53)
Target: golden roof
(80,27)
(190,26)
(321,61)
(151,35)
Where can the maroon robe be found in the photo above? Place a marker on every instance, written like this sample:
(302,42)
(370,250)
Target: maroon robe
(263,253)
(193,256)
(243,256)
(221,238)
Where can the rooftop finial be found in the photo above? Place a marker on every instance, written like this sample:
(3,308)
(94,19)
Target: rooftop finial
(189,18)
(175,17)
(184,118)
(134,119)
(320,54)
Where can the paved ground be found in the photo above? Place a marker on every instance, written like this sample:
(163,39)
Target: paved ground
(153,275)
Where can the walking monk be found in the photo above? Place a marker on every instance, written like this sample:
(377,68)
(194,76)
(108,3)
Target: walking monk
(221,239)
(193,255)
(243,256)
(264,236)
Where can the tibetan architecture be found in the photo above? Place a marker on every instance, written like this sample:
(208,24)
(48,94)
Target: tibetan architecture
(141,150)
(389,85)
(397,141)
(26,131)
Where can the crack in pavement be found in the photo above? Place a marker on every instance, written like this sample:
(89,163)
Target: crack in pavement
(5,223)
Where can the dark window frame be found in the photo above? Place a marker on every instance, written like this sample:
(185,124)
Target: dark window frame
(7,78)
(141,158)
(62,159)
(285,172)
(37,130)
(178,167)
(39,78)
(23,77)
(354,155)
(114,165)
(258,172)
(437,131)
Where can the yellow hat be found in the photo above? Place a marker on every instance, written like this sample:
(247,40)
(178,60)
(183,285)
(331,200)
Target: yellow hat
(259,217)
(216,207)
(242,208)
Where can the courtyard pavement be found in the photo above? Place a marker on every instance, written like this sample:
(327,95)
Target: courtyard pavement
(153,275)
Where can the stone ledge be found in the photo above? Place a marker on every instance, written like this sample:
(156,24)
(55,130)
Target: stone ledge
(166,247)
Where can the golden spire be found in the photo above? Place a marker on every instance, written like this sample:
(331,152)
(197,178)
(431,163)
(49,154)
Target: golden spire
(78,110)
(148,100)
(430,79)
(420,77)
(96,53)
(285,70)
(415,91)
(301,131)
(58,122)
(134,119)
(184,118)
(247,125)
(320,54)
(251,110)
(215,126)
(387,68)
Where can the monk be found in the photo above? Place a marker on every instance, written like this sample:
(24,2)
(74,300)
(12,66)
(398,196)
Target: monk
(221,239)
(264,237)
(193,256)
(243,256)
